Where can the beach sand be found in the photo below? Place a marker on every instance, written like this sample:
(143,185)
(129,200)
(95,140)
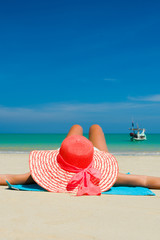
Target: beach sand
(44,215)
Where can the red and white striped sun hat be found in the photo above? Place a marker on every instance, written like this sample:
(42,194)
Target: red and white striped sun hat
(76,167)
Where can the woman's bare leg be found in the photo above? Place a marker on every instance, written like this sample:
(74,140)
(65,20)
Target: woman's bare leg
(96,136)
(16,179)
(75,130)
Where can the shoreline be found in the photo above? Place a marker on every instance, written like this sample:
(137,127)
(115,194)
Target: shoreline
(129,153)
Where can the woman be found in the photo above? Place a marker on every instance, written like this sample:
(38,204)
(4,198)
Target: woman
(96,136)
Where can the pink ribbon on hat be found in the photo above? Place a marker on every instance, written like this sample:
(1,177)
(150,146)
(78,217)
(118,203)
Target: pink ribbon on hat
(82,178)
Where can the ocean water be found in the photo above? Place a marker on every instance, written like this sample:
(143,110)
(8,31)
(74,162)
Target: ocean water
(119,144)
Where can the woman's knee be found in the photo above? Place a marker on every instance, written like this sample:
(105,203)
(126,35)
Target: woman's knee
(78,127)
(95,127)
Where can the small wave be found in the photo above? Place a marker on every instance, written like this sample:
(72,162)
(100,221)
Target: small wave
(113,153)
(136,153)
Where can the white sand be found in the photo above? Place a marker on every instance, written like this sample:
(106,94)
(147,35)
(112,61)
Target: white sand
(44,215)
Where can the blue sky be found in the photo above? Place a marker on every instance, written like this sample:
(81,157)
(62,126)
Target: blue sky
(84,62)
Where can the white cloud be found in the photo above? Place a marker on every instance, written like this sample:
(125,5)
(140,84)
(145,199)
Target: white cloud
(57,117)
(66,111)
(151,98)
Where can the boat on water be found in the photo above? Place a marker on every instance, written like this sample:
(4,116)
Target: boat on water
(137,134)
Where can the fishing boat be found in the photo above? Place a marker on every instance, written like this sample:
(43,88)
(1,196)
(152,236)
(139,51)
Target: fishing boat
(137,134)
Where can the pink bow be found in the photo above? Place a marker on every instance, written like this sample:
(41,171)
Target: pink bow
(82,178)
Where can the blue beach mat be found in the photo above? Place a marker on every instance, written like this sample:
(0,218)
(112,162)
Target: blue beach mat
(28,187)
(119,190)
(124,190)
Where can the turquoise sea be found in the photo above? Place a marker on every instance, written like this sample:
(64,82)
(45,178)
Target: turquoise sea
(117,143)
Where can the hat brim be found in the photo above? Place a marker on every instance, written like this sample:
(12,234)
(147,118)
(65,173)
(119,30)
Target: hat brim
(47,173)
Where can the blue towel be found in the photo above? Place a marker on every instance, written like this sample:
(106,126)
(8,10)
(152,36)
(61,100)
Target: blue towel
(124,190)
(119,190)
(28,187)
